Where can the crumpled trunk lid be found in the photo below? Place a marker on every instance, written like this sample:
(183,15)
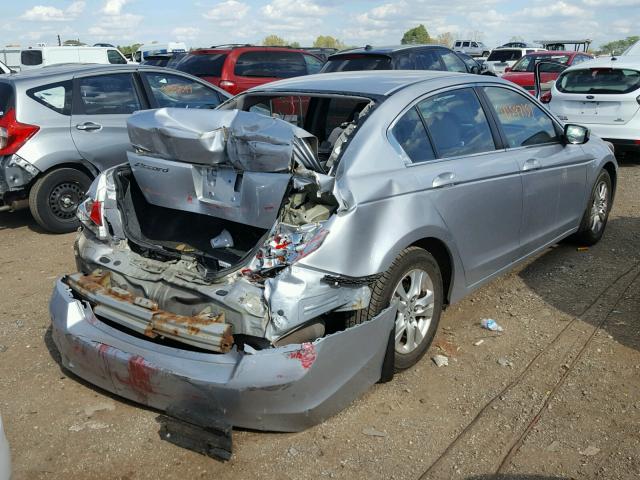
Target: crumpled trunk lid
(230,164)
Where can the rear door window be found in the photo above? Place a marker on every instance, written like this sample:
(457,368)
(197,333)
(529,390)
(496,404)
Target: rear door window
(203,65)
(6,98)
(179,92)
(31,57)
(405,61)
(522,121)
(115,58)
(357,62)
(428,59)
(108,94)
(457,123)
(56,96)
(465,44)
(265,64)
(314,64)
(411,135)
(599,80)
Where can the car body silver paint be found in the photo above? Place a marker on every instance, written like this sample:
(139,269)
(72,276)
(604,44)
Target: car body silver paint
(57,141)
(286,389)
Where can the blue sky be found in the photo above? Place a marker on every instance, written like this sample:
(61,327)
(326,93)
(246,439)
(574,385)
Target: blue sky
(205,23)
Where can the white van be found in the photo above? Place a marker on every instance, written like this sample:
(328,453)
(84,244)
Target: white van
(11,57)
(37,57)
(158,49)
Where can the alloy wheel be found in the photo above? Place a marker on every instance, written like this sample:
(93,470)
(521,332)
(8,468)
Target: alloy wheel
(415,297)
(599,207)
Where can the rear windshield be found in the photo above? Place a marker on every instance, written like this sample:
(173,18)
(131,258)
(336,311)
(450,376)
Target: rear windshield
(504,55)
(203,65)
(270,65)
(356,62)
(6,98)
(156,61)
(599,80)
(31,57)
(528,62)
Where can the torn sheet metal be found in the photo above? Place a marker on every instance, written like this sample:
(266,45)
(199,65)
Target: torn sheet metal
(246,141)
(251,198)
(206,331)
(288,388)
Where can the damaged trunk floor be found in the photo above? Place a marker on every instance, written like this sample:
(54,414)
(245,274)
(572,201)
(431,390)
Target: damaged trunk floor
(59,427)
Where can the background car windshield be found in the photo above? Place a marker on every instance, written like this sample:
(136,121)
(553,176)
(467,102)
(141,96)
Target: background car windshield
(528,63)
(504,55)
(599,80)
(209,65)
(357,62)
(270,65)
(31,57)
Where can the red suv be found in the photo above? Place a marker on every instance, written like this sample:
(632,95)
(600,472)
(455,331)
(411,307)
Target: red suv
(238,68)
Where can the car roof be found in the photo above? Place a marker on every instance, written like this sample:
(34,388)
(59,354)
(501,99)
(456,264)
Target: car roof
(67,69)
(373,84)
(247,48)
(624,61)
(383,50)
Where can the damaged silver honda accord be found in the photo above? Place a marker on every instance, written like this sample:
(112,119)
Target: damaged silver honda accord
(263,264)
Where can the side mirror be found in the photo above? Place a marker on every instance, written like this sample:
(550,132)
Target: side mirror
(507,69)
(475,69)
(576,134)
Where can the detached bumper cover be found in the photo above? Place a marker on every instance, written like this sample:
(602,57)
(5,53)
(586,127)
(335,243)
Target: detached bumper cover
(285,389)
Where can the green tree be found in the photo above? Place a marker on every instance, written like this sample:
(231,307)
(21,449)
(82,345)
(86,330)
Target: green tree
(445,39)
(294,44)
(129,49)
(274,41)
(618,46)
(417,34)
(73,43)
(327,41)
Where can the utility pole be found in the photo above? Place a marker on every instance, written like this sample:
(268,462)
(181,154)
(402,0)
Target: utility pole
(59,42)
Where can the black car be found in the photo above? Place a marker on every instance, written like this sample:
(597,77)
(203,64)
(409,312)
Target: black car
(169,60)
(402,57)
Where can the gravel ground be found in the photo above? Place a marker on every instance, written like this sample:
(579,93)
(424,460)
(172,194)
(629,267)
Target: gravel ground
(556,395)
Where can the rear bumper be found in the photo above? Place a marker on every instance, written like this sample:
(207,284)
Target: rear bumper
(622,145)
(288,388)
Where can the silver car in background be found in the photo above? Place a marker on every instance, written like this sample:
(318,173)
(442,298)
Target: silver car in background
(62,125)
(264,263)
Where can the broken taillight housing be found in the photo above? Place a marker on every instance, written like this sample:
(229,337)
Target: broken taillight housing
(91,212)
(289,244)
(14,134)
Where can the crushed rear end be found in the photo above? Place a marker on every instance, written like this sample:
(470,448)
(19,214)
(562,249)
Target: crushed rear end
(190,295)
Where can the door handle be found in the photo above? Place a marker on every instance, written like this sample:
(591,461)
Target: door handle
(88,126)
(444,179)
(531,164)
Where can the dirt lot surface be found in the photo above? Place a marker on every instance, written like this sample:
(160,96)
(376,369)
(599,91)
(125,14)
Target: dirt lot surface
(556,395)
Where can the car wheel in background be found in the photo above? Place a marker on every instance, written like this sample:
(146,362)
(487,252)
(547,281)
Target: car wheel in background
(54,199)
(596,215)
(415,282)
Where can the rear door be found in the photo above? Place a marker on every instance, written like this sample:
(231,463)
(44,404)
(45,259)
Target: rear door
(255,68)
(475,188)
(101,106)
(553,174)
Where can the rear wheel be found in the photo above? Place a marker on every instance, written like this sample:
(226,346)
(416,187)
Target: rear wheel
(596,215)
(54,199)
(415,283)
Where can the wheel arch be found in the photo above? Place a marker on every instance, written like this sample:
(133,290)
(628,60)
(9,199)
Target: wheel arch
(443,256)
(613,174)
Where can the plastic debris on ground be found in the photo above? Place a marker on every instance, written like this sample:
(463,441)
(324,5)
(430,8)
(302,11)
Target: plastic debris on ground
(583,249)
(371,432)
(491,324)
(440,360)
(505,362)
(478,343)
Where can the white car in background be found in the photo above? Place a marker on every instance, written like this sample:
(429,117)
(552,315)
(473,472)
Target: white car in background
(4,68)
(502,57)
(604,95)
(633,49)
(471,48)
(5,460)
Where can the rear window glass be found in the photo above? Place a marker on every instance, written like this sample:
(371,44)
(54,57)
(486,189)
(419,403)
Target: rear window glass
(209,65)
(6,98)
(270,65)
(56,96)
(357,62)
(31,57)
(599,80)
(504,55)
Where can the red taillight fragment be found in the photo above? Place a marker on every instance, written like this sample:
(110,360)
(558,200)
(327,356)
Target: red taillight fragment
(14,134)
(96,213)
(546,97)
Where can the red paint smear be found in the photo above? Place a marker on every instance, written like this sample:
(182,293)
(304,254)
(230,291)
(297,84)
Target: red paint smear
(139,375)
(307,355)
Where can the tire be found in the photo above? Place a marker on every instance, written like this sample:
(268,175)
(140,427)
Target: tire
(54,198)
(594,220)
(383,290)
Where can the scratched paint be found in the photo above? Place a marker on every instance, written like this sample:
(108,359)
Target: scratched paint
(139,376)
(307,355)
